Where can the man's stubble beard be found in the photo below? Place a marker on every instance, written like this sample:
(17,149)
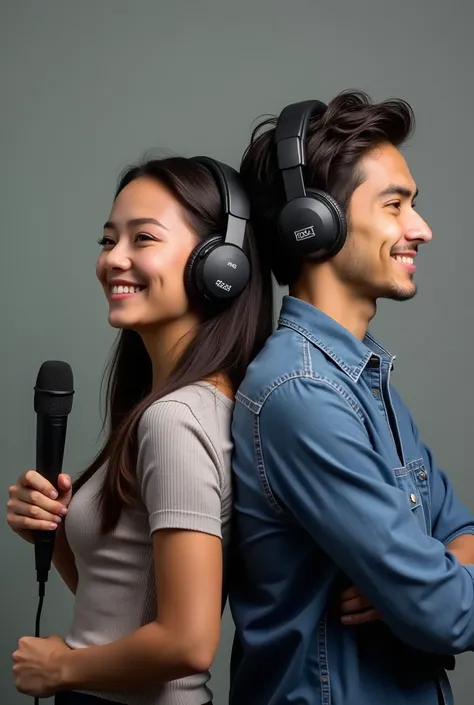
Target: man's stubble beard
(353,273)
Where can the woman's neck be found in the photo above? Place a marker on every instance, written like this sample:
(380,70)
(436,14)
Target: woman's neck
(165,344)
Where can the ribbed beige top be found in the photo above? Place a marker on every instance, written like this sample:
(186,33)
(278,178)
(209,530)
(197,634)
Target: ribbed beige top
(184,472)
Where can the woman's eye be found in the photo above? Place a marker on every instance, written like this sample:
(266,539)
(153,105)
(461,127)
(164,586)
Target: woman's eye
(144,237)
(141,237)
(104,241)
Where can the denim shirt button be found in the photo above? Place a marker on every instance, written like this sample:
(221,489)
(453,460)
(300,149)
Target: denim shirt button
(422,475)
(413,498)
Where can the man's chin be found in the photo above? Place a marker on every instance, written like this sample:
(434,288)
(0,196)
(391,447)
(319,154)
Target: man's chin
(402,293)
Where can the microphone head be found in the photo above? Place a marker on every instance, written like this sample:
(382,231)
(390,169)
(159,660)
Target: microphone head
(54,389)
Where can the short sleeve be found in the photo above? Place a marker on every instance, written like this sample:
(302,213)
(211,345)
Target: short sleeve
(178,470)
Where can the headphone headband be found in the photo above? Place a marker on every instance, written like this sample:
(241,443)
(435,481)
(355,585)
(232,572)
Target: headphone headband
(235,202)
(218,269)
(290,139)
(311,224)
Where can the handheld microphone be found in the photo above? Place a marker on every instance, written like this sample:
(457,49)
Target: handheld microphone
(53,396)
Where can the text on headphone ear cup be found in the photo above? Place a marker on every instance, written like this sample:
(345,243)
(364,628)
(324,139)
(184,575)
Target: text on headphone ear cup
(312,227)
(218,270)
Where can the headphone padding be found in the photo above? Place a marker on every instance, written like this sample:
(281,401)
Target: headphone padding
(312,227)
(340,215)
(190,274)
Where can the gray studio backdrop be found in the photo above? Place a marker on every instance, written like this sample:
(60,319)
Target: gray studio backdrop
(87,87)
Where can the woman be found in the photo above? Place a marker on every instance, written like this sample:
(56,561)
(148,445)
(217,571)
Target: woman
(142,544)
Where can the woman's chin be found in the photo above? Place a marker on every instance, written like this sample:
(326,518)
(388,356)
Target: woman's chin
(120,321)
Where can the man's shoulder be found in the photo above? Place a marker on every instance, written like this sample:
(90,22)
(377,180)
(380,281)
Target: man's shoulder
(287,364)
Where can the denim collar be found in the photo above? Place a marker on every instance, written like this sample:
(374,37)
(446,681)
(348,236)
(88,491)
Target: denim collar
(348,352)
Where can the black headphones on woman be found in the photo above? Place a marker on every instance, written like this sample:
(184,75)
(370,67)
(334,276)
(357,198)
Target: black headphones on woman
(311,224)
(218,269)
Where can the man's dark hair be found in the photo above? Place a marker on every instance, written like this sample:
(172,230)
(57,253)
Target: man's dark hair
(352,126)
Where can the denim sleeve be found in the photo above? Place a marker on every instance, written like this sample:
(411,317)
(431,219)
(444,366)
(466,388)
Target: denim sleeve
(450,518)
(321,469)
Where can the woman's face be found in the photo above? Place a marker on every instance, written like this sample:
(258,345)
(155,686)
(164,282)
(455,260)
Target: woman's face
(146,245)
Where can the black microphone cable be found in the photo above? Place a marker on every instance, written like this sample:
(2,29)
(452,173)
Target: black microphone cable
(44,548)
(41,593)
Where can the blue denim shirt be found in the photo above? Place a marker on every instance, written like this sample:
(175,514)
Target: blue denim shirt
(334,487)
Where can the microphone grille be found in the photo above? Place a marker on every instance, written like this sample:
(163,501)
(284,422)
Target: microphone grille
(54,389)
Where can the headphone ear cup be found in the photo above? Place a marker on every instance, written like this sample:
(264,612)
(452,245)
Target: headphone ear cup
(193,281)
(312,227)
(340,217)
(216,270)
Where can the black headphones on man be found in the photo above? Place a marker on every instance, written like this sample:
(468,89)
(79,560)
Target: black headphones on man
(218,269)
(311,224)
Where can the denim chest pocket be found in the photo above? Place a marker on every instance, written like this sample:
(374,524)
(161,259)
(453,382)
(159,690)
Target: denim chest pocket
(413,481)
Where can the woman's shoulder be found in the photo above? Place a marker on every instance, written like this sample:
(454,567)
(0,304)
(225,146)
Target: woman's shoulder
(201,398)
(199,404)
(192,426)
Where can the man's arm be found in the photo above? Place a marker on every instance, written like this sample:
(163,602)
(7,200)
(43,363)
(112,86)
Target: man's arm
(451,521)
(450,518)
(322,469)
(463,549)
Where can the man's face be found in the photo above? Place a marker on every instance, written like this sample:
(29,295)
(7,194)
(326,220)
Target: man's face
(384,230)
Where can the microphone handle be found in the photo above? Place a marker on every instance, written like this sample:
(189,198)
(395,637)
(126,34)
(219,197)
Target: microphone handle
(50,442)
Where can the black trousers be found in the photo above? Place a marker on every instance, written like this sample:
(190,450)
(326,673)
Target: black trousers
(72,698)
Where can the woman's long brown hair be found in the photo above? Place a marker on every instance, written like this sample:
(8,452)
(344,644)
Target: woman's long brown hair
(224,343)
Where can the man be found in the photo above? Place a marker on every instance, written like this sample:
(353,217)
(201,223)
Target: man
(353,579)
